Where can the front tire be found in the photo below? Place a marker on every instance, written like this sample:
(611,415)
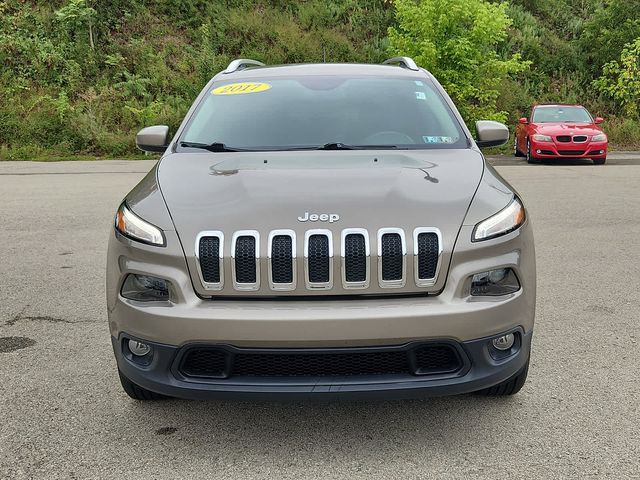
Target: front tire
(516,150)
(530,157)
(510,386)
(136,391)
(599,161)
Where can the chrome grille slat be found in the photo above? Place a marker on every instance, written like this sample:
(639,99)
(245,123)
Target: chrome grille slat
(355,255)
(209,259)
(245,260)
(318,259)
(281,253)
(392,252)
(427,244)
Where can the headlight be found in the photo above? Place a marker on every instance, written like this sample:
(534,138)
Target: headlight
(600,137)
(132,226)
(541,138)
(503,222)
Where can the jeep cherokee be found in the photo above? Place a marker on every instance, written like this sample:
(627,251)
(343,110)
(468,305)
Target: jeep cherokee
(321,230)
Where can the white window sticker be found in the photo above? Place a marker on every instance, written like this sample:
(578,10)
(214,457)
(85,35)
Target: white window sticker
(421,95)
(430,139)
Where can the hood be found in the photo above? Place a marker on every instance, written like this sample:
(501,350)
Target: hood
(567,129)
(267,191)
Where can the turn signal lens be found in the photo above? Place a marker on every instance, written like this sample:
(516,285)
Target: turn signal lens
(132,226)
(541,138)
(506,220)
(600,137)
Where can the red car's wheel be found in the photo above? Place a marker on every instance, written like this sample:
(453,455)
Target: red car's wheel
(530,157)
(516,150)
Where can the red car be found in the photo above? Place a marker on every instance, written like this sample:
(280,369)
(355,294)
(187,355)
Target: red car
(560,131)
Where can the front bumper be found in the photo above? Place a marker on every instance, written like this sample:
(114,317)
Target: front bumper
(479,370)
(568,150)
(453,315)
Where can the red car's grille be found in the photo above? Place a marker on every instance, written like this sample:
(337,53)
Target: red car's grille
(571,152)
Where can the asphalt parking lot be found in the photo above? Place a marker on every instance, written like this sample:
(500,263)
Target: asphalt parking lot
(64,415)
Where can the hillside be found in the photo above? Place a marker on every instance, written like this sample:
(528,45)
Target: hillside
(82,76)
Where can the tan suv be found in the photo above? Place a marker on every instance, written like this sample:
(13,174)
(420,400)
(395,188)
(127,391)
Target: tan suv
(321,230)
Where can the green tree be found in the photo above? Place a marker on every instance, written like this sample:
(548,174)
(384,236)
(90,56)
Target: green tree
(621,80)
(77,15)
(457,40)
(608,30)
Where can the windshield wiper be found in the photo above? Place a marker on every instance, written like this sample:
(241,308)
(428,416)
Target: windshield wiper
(344,146)
(212,147)
(336,146)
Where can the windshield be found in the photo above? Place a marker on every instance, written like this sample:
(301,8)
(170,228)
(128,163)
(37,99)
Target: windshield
(316,111)
(561,115)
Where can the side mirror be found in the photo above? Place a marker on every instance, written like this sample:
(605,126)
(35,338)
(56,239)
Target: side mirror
(599,120)
(491,134)
(153,139)
(523,120)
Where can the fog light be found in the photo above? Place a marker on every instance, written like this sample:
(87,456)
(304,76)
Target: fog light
(501,281)
(538,151)
(145,288)
(504,342)
(140,349)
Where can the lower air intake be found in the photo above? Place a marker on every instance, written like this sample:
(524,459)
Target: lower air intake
(424,359)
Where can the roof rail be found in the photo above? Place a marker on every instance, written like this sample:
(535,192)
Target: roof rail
(404,62)
(241,64)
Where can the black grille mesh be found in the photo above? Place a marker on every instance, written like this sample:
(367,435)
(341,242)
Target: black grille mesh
(424,359)
(312,365)
(245,259)
(563,138)
(205,362)
(355,258)
(209,252)
(281,259)
(392,258)
(427,255)
(434,359)
(571,152)
(318,258)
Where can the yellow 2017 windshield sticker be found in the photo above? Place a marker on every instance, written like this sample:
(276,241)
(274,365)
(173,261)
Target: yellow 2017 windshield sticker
(241,88)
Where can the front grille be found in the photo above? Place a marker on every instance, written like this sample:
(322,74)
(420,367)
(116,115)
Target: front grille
(209,253)
(217,362)
(319,263)
(392,257)
(564,138)
(580,138)
(571,152)
(245,259)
